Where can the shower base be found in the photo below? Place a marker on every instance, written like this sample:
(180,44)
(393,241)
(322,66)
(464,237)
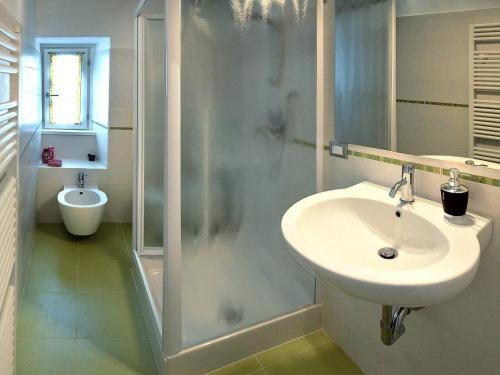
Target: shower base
(200,358)
(222,293)
(152,266)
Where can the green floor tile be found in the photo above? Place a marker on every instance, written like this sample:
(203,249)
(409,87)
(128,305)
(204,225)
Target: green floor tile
(317,338)
(47,315)
(115,356)
(127,230)
(244,367)
(52,276)
(81,285)
(109,316)
(105,316)
(313,354)
(331,352)
(107,245)
(56,230)
(288,349)
(104,253)
(303,364)
(48,249)
(104,277)
(106,232)
(327,359)
(45,356)
(128,242)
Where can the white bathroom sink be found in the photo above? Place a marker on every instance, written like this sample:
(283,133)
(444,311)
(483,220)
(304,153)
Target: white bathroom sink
(337,235)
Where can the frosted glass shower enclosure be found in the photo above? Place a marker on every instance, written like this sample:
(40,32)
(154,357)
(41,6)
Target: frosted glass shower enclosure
(149,154)
(239,135)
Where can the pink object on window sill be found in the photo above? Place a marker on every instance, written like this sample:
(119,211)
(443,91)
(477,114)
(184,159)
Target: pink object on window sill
(52,152)
(45,156)
(55,163)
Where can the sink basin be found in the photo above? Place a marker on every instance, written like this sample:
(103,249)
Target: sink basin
(337,236)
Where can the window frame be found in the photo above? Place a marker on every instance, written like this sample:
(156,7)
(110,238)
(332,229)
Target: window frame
(86,85)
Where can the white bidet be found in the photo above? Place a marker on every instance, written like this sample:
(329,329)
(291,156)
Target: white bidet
(82,209)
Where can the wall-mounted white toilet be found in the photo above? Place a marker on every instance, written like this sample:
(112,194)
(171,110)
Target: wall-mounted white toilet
(82,209)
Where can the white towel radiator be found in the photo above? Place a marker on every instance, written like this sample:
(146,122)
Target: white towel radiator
(9,61)
(484,92)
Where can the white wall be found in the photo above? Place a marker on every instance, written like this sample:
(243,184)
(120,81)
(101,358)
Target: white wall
(98,18)
(459,336)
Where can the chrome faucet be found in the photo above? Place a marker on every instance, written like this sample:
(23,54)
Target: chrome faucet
(81,180)
(406,184)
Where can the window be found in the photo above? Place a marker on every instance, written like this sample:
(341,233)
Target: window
(66,88)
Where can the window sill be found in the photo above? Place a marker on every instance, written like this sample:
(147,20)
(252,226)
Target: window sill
(75,164)
(68,132)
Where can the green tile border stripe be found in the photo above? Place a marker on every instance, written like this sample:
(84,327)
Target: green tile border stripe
(395,161)
(425,167)
(120,128)
(428,102)
(475,178)
(303,142)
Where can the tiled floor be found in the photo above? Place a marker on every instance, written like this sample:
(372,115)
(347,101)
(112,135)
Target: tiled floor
(79,313)
(314,354)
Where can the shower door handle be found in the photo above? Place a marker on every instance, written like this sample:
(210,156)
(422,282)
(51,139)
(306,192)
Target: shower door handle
(47,95)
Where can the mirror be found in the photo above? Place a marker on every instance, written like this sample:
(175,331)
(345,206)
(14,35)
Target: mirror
(445,103)
(362,72)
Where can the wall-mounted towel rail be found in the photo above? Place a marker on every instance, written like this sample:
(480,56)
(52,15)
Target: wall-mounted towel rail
(7,105)
(7,69)
(7,116)
(484,92)
(8,45)
(9,57)
(8,32)
(8,127)
(7,325)
(7,233)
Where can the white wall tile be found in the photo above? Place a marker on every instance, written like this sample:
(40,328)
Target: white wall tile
(90,17)
(121,116)
(71,146)
(118,212)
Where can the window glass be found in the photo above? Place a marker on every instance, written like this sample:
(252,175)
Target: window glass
(65,88)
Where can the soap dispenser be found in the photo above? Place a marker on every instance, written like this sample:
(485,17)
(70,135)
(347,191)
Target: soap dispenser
(454,195)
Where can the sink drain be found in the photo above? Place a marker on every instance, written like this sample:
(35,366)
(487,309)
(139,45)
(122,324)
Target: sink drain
(388,253)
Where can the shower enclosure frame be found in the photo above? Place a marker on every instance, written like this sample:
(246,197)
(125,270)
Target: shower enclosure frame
(247,341)
(141,18)
(146,9)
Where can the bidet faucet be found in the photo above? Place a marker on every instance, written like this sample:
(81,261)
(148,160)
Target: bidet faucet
(81,180)
(406,184)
